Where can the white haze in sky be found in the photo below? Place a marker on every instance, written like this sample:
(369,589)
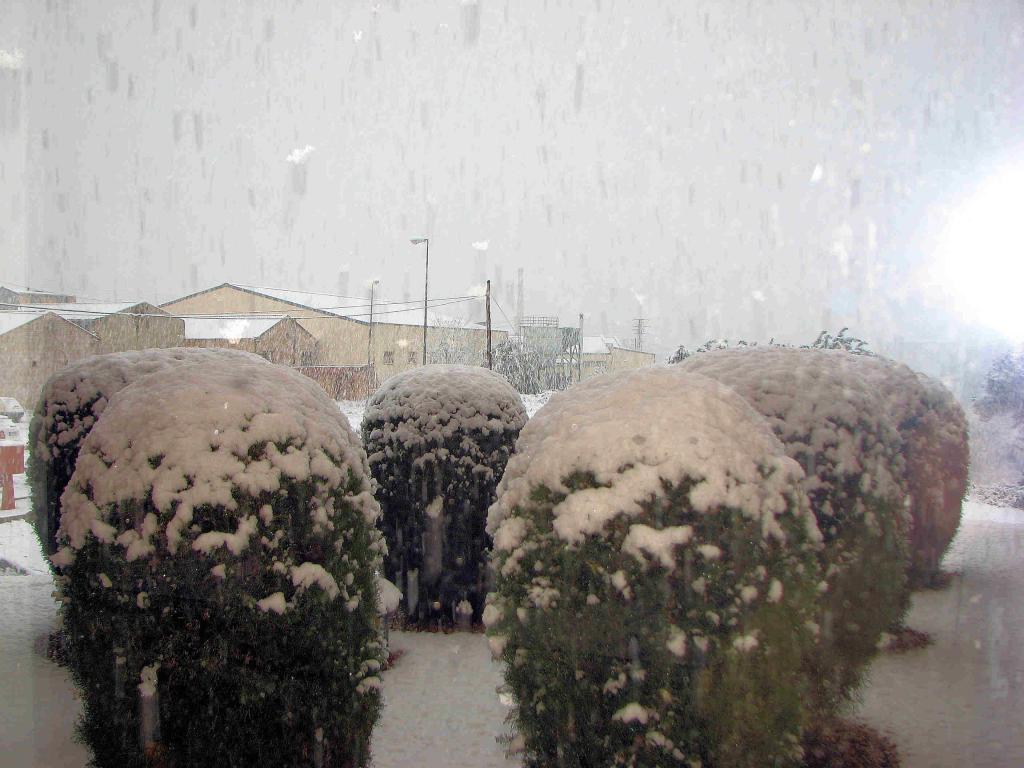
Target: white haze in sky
(750,169)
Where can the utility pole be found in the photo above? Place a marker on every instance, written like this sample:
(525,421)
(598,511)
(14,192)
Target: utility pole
(490,361)
(519,302)
(370,383)
(579,356)
(426,274)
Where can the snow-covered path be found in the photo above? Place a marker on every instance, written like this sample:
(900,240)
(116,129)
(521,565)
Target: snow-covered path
(960,702)
(38,703)
(441,708)
(956,703)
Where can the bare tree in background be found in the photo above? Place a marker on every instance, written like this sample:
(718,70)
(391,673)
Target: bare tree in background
(539,360)
(449,344)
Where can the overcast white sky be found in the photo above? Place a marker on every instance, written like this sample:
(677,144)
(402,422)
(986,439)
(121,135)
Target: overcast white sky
(742,169)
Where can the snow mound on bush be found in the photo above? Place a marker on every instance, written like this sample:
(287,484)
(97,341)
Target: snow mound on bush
(831,409)
(388,595)
(91,382)
(425,406)
(680,425)
(203,425)
(70,403)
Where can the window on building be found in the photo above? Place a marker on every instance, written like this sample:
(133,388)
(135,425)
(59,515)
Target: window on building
(412,357)
(389,358)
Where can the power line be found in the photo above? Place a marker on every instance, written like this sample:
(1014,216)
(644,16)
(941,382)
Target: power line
(507,320)
(93,314)
(414,303)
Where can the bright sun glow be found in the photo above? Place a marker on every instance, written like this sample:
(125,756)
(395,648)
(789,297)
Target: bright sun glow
(981,254)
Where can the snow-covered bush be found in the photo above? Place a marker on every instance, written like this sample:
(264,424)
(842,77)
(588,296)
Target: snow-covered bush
(656,578)
(69,405)
(438,439)
(827,408)
(934,431)
(217,555)
(937,474)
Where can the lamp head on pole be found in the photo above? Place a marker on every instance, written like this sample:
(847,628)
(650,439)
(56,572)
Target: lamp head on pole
(418,240)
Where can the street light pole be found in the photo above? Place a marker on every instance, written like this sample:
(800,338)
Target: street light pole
(371,380)
(426,275)
(490,358)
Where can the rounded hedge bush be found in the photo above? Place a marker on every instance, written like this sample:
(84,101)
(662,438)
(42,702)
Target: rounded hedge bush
(656,578)
(832,417)
(438,438)
(934,431)
(70,403)
(938,459)
(218,549)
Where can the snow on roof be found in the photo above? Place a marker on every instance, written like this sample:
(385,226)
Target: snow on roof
(188,440)
(32,291)
(358,308)
(828,407)
(84,310)
(231,329)
(633,430)
(9,320)
(434,401)
(598,345)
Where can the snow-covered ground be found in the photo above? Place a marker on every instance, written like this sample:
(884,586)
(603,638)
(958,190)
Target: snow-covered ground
(38,703)
(960,702)
(353,410)
(956,703)
(441,706)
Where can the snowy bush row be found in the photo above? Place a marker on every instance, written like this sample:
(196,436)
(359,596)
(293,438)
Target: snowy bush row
(438,439)
(687,569)
(217,551)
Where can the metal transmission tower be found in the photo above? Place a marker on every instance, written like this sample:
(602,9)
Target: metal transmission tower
(639,329)
(543,356)
(519,301)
